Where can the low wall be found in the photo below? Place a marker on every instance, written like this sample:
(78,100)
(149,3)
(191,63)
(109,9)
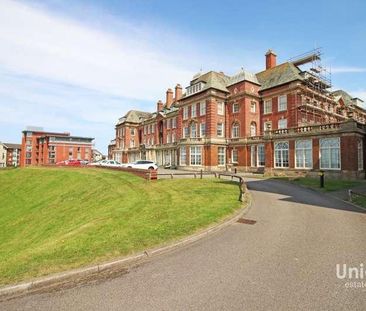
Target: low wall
(146,174)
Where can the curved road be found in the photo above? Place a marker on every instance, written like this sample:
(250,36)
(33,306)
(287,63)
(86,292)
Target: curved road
(286,261)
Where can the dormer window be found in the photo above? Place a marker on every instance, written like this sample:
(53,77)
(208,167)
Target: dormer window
(195,88)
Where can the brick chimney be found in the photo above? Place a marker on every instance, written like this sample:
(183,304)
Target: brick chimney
(169,98)
(178,92)
(159,106)
(270,59)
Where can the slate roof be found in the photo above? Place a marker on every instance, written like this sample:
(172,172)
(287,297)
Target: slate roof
(213,79)
(344,95)
(12,146)
(281,74)
(134,116)
(243,75)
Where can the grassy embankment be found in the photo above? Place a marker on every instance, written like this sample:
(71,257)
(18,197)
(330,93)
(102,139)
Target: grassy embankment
(53,219)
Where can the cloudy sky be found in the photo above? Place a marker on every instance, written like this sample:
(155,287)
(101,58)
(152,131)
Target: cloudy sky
(79,65)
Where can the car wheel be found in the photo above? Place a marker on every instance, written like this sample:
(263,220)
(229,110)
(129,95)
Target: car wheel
(151,168)
(129,166)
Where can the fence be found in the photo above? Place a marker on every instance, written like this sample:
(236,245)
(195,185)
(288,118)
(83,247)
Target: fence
(356,197)
(200,174)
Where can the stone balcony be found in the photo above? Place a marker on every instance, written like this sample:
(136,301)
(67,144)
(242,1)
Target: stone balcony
(316,129)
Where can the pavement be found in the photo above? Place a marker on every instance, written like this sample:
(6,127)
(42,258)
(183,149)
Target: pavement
(285,261)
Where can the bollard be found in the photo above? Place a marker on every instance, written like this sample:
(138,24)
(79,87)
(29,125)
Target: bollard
(235,170)
(321,174)
(201,173)
(171,176)
(350,195)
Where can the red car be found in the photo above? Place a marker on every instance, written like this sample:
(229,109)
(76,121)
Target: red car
(69,163)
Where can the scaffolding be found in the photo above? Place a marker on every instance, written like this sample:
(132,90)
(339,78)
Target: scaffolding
(314,104)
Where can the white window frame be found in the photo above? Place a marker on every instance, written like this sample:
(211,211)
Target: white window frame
(192,127)
(185,132)
(253,106)
(299,148)
(234,151)
(220,124)
(282,103)
(282,152)
(236,108)
(220,108)
(259,147)
(195,154)
(253,129)
(282,124)
(253,157)
(265,125)
(221,156)
(174,122)
(323,140)
(202,108)
(185,112)
(168,124)
(267,106)
(360,154)
(183,155)
(193,111)
(235,130)
(203,126)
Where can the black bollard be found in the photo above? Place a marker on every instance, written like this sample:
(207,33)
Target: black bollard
(321,174)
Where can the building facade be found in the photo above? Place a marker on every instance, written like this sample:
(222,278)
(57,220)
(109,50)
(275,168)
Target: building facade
(12,154)
(44,148)
(2,155)
(283,120)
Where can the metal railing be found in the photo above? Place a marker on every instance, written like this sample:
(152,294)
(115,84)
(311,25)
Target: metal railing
(201,173)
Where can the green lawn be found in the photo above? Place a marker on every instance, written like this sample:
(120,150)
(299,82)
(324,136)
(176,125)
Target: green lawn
(329,184)
(53,219)
(359,200)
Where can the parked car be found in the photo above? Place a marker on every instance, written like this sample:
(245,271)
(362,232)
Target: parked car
(107,163)
(70,163)
(97,163)
(143,164)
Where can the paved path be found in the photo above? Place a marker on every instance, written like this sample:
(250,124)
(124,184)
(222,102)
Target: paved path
(286,261)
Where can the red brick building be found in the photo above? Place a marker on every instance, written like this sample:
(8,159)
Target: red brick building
(39,147)
(12,154)
(283,120)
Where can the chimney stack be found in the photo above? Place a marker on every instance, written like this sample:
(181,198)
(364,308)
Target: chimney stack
(270,59)
(159,106)
(178,92)
(169,98)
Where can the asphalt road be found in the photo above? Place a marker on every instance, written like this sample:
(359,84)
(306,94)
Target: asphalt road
(286,261)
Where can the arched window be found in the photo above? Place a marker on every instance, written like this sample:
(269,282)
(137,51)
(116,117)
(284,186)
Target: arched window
(235,130)
(253,129)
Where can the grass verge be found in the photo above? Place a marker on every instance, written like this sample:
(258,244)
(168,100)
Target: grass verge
(329,184)
(54,219)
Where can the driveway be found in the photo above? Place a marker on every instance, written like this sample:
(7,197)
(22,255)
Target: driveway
(286,261)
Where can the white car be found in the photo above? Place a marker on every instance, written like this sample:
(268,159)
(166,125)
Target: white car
(107,163)
(144,165)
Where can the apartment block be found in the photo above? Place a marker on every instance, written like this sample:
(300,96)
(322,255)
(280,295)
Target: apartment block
(285,119)
(43,148)
(12,154)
